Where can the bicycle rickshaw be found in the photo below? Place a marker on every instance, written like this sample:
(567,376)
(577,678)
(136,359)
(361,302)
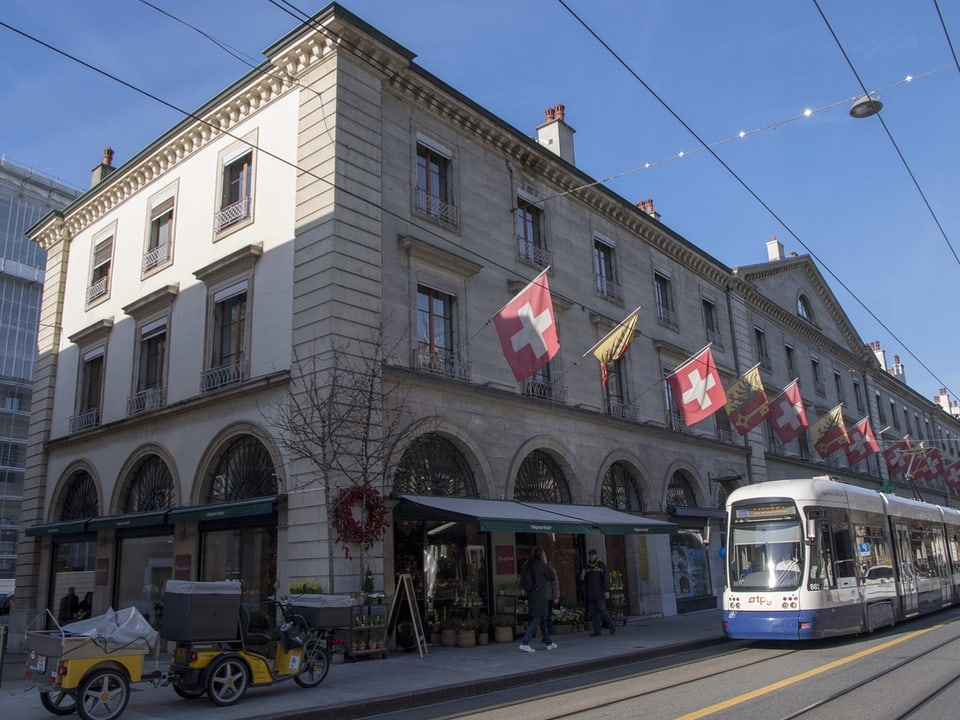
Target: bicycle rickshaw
(88,666)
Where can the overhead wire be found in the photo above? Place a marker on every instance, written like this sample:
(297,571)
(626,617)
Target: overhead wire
(747,188)
(886,129)
(946,34)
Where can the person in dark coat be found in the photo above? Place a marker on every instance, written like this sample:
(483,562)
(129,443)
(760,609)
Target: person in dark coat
(596,590)
(539,600)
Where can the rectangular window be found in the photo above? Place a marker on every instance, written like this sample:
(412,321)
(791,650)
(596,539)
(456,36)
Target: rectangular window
(881,411)
(791,361)
(893,414)
(236,191)
(906,421)
(89,390)
(542,384)
(674,419)
(152,358)
(665,308)
(434,185)
(161,233)
(711,321)
(760,343)
(838,386)
(436,343)
(818,385)
(530,244)
(100,270)
(605,271)
(229,328)
(858,396)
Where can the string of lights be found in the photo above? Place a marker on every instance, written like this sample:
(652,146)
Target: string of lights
(705,146)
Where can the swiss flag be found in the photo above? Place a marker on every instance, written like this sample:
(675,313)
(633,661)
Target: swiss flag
(896,456)
(696,387)
(929,467)
(787,415)
(863,443)
(953,476)
(528,329)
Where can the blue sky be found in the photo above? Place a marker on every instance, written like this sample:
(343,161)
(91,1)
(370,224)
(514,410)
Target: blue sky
(837,187)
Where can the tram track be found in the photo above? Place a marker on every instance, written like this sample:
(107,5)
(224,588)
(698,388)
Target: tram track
(861,684)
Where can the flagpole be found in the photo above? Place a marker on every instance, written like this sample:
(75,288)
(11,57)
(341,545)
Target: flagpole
(691,357)
(616,327)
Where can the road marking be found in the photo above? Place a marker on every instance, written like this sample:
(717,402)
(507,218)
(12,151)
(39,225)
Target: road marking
(704,712)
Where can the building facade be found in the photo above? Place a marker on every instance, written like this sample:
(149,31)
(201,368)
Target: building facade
(340,213)
(25,196)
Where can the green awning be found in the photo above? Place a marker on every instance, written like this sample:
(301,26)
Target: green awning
(67,527)
(130,520)
(228,510)
(493,515)
(610,521)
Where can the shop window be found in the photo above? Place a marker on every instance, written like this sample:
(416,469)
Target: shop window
(243,554)
(691,573)
(145,565)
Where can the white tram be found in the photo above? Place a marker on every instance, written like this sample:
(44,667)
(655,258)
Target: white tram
(815,558)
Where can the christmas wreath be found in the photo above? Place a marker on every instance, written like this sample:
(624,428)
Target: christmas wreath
(372,513)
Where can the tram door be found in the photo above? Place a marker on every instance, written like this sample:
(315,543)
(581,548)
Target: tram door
(906,572)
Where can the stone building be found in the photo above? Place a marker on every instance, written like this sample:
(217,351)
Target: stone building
(341,208)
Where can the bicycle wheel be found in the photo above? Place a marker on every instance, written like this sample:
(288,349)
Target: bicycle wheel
(313,666)
(59,702)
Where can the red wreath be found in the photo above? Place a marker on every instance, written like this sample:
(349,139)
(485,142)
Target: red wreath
(349,530)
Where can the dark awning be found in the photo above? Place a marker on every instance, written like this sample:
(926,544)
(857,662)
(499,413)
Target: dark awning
(696,512)
(513,516)
(610,521)
(493,515)
(221,511)
(143,519)
(67,527)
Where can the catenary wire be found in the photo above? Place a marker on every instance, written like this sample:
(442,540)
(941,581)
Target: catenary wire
(749,190)
(886,129)
(946,34)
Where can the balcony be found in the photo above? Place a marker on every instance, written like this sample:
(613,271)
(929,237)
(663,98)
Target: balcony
(145,400)
(675,421)
(544,390)
(616,408)
(440,210)
(667,317)
(609,289)
(86,420)
(233,213)
(713,336)
(155,257)
(533,254)
(442,362)
(98,288)
(222,376)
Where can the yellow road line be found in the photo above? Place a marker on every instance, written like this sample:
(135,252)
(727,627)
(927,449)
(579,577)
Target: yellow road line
(704,712)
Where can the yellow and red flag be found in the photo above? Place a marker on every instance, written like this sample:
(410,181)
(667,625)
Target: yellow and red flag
(830,433)
(747,401)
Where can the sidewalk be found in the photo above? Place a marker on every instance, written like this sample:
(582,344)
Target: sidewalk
(403,680)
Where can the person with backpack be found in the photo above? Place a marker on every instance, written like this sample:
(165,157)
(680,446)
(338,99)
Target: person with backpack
(536,578)
(596,590)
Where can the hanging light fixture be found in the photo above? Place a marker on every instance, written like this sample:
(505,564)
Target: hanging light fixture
(865,106)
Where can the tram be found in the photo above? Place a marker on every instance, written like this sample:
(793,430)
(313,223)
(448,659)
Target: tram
(816,558)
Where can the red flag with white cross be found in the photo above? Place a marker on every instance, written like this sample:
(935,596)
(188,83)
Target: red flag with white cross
(952,476)
(527,328)
(696,388)
(863,443)
(786,413)
(897,456)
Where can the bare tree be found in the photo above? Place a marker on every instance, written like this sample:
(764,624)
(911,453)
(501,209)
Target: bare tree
(348,420)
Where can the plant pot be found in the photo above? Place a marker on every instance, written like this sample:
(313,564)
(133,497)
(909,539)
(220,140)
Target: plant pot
(483,638)
(466,638)
(561,629)
(503,633)
(448,638)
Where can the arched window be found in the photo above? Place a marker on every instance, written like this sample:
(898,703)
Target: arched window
(540,479)
(433,465)
(619,489)
(680,492)
(803,308)
(150,487)
(80,500)
(245,470)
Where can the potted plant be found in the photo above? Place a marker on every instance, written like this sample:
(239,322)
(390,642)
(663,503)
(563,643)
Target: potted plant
(483,630)
(336,650)
(448,632)
(467,634)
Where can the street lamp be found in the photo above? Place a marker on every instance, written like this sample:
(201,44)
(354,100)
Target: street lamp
(865,106)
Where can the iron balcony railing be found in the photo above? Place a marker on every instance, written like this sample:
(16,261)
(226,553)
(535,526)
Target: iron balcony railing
(619,409)
(233,213)
(544,390)
(608,288)
(438,209)
(145,400)
(98,288)
(533,254)
(442,362)
(221,376)
(85,420)
(156,256)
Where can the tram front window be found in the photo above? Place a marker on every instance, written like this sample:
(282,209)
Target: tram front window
(768,557)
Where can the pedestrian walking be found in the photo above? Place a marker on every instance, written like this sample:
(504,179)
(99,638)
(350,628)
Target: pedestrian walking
(554,602)
(596,590)
(536,578)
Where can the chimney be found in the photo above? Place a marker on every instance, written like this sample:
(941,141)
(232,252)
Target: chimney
(897,370)
(555,134)
(774,249)
(647,207)
(100,172)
